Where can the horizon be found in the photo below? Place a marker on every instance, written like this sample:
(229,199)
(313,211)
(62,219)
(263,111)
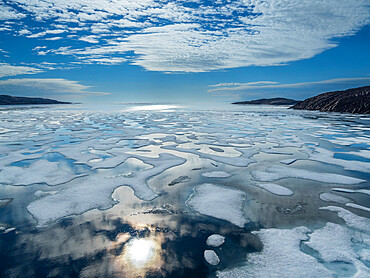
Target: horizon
(180,52)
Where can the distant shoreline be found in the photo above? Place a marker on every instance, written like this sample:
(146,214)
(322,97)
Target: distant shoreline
(10,100)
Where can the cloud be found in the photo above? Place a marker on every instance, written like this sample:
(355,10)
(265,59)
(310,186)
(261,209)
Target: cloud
(9,70)
(45,86)
(276,85)
(197,36)
(301,90)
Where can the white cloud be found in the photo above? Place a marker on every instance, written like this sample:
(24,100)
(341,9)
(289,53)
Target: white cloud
(262,85)
(172,36)
(49,85)
(9,70)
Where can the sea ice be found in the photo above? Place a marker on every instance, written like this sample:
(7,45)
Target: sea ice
(215,240)
(95,191)
(330,197)
(346,190)
(41,171)
(356,206)
(216,174)
(275,189)
(211,257)
(335,243)
(219,202)
(281,256)
(352,220)
(326,156)
(280,172)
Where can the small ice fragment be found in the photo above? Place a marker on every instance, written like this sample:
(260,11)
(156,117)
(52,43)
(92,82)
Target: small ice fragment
(216,174)
(276,189)
(215,240)
(180,179)
(330,197)
(40,193)
(9,230)
(5,202)
(211,257)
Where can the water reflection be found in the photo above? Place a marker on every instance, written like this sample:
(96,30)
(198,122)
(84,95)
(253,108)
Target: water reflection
(140,256)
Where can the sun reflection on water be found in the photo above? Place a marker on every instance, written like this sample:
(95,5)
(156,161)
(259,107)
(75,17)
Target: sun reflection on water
(140,256)
(141,251)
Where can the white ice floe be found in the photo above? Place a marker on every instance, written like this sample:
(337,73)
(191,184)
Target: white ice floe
(275,189)
(41,171)
(94,191)
(215,240)
(333,242)
(216,174)
(281,256)
(356,206)
(219,202)
(40,193)
(211,257)
(327,156)
(280,172)
(347,190)
(336,243)
(330,197)
(352,220)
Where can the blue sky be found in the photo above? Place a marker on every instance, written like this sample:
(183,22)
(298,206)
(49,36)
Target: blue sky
(182,51)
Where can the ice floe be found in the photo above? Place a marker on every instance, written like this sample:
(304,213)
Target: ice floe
(356,206)
(216,174)
(330,197)
(351,219)
(347,190)
(338,244)
(215,240)
(281,256)
(280,172)
(41,171)
(94,192)
(219,202)
(275,189)
(211,257)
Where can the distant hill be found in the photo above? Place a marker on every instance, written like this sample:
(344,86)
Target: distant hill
(269,101)
(356,100)
(9,100)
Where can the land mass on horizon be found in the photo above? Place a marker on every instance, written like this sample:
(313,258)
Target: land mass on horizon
(10,100)
(355,100)
(269,101)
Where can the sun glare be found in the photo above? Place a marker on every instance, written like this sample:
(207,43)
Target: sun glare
(141,251)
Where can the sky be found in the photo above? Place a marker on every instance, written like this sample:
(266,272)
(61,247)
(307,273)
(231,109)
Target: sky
(182,51)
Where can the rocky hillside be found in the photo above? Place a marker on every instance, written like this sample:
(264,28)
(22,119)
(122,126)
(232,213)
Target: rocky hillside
(356,100)
(9,100)
(269,101)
